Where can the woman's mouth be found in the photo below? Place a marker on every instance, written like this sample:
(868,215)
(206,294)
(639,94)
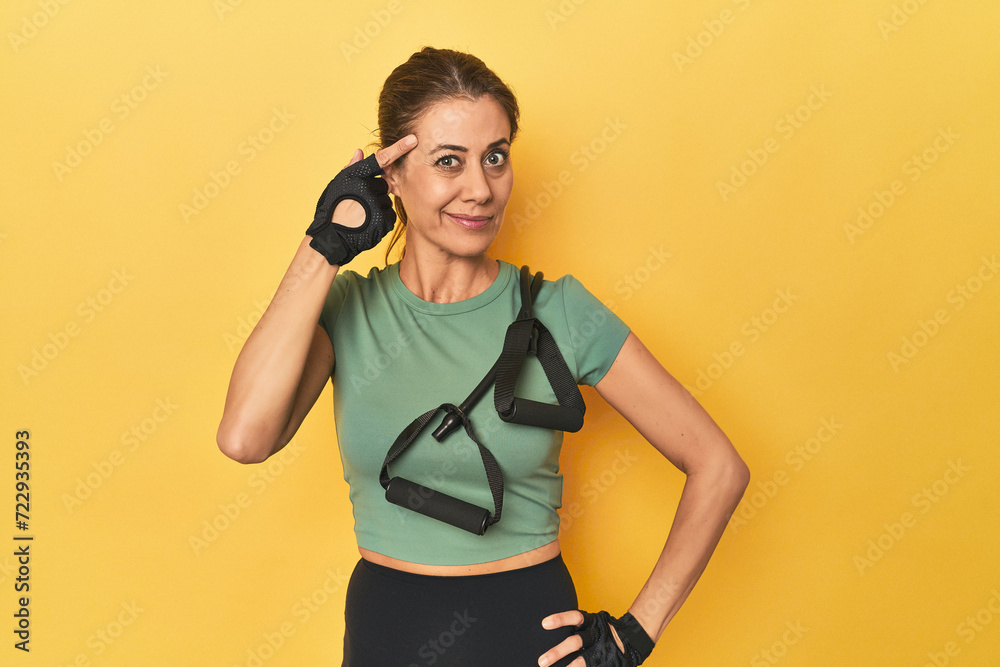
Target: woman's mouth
(470,221)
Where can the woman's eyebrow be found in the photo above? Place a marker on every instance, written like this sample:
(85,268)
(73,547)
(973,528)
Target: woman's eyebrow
(463,149)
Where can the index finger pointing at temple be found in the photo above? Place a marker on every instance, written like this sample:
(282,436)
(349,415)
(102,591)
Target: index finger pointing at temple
(386,156)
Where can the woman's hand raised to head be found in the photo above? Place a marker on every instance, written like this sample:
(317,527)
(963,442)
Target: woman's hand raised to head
(370,218)
(349,212)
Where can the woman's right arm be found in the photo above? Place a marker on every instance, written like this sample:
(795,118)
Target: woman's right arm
(283,366)
(288,357)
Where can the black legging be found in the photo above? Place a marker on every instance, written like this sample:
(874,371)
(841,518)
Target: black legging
(399,619)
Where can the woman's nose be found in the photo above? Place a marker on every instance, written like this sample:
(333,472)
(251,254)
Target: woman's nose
(475,186)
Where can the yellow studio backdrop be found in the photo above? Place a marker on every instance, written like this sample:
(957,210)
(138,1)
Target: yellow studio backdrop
(792,203)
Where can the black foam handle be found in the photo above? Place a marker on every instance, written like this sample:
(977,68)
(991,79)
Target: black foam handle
(437,505)
(533,413)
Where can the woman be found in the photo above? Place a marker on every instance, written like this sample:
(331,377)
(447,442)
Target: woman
(425,592)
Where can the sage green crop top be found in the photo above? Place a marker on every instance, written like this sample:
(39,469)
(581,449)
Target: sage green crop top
(398,356)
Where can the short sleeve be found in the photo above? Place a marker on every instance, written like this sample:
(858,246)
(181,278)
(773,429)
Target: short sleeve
(335,300)
(590,332)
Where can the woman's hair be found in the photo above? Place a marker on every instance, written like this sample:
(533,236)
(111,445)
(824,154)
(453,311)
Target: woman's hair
(431,76)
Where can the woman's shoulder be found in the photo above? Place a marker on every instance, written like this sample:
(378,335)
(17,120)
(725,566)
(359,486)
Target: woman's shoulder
(376,279)
(563,290)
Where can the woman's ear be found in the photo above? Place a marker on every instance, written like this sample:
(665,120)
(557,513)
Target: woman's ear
(391,176)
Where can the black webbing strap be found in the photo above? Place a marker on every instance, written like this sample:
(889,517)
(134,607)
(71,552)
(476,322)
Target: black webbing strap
(525,335)
(410,433)
(528,335)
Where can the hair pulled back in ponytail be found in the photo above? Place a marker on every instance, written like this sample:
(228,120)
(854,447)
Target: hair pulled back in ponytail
(431,76)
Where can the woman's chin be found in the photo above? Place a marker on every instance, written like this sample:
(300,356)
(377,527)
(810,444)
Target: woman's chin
(465,245)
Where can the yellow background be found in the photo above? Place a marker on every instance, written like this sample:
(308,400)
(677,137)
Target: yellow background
(643,109)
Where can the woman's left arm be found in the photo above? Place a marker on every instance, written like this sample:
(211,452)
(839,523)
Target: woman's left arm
(666,414)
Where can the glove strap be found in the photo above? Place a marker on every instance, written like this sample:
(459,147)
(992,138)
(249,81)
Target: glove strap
(599,647)
(631,633)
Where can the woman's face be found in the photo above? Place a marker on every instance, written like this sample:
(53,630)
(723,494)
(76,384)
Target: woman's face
(456,182)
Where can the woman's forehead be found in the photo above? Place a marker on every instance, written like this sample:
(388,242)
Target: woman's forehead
(461,121)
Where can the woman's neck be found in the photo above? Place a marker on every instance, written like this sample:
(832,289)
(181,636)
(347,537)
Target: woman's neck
(449,279)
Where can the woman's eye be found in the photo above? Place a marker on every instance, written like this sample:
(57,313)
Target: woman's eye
(496,158)
(447,161)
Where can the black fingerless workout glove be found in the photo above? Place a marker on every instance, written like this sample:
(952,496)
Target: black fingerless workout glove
(340,244)
(599,647)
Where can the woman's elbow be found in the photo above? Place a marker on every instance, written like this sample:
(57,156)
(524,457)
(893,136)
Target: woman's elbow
(741,475)
(237,445)
(727,474)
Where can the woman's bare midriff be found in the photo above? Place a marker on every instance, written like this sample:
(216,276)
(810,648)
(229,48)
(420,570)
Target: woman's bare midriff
(528,558)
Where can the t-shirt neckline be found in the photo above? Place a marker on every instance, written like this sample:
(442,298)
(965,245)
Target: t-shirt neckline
(498,287)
